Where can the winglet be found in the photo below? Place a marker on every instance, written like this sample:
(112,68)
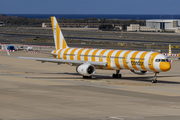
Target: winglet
(7,50)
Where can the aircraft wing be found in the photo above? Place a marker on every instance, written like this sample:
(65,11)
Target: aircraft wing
(47,53)
(61,61)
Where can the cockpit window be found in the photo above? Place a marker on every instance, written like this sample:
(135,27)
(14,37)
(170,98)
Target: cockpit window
(157,60)
(162,60)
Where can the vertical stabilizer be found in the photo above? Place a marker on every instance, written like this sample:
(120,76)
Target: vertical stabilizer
(169,50)
(59,40)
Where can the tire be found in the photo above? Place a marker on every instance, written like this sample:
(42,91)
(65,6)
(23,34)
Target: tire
(86,77)
(154,81)
(90,77)
(119,75)
(114,76)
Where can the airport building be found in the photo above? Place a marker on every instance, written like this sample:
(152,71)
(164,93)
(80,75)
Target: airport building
(137,28)
(133,27)
(162,24)
(156,26)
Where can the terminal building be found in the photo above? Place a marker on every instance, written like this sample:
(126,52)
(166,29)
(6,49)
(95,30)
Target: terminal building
(162,24)
(156,26)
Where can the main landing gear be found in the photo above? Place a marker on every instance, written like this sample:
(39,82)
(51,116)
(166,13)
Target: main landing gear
(154,80)
(117,75)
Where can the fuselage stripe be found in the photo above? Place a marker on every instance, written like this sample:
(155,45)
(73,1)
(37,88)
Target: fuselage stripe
(54,51)
(79,54)
(142,59)
(109,59)
(151,61)
(72,53)
(59,57)
(101,55)
(133,62)
(116,59)
(65,53)
(125,61)
(93,54)
(86,54)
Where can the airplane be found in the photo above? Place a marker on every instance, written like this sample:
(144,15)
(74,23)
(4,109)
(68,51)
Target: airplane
(87,60)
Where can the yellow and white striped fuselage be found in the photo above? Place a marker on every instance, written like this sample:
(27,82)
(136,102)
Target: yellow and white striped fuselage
(117,59)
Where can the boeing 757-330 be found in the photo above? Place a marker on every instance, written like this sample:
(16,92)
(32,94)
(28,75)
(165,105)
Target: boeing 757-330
(87,60)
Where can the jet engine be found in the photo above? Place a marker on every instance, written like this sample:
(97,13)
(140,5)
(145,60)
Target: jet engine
(86,69)
(139,72)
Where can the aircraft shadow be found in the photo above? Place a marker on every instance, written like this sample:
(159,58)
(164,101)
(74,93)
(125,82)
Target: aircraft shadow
(149,79)
(100,77)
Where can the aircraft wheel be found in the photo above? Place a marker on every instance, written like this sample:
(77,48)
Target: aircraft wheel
(114,75)
(119,75)
(86,77)
(154,81)
(89,76)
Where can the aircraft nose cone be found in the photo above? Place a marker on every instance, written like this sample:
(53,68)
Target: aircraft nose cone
(165,66)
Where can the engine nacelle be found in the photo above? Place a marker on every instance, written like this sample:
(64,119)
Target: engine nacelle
(139,72)
(86,69)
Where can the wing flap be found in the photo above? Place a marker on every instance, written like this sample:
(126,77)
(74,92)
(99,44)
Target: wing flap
(48,53)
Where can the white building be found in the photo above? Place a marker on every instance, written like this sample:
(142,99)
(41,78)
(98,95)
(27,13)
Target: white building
(162,24)
(147,29)
(133,27)
(156,26)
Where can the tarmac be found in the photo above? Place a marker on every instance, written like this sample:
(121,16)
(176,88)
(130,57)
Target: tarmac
(30,90)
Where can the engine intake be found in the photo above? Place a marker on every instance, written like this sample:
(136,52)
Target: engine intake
(86,69)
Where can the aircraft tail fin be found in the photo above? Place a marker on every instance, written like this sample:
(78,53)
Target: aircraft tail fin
(169,50)
(59,40)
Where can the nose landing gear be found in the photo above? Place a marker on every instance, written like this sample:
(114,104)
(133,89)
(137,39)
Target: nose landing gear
(154,80)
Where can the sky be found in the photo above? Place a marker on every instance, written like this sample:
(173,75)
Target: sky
(90,7)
